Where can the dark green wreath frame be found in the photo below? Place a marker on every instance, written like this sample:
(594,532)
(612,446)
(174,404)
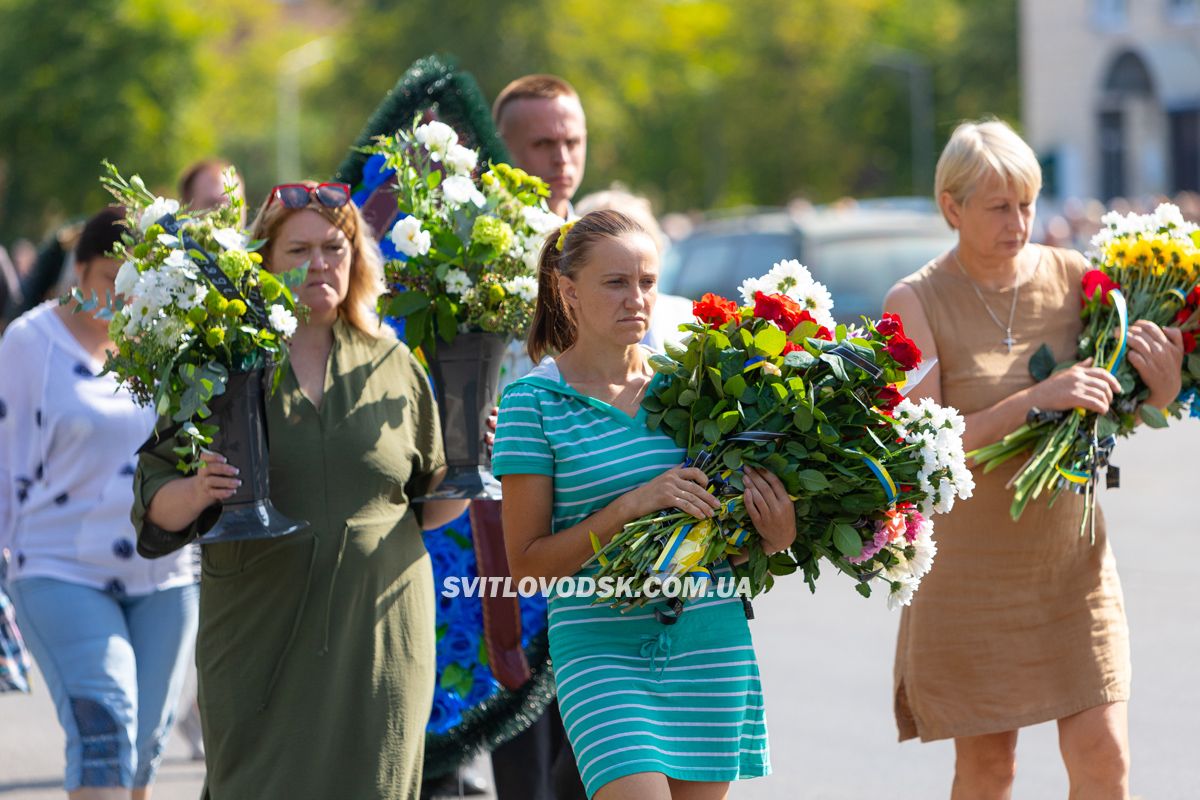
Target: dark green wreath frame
(431,81)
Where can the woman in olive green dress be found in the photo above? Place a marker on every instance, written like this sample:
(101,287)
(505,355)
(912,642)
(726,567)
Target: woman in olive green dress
(316,651)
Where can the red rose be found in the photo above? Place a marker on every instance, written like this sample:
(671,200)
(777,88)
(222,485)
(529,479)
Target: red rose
(1094,280)
(1189,342)
(890,325)
(791,347)
(1182,315)
(905,352)
(780,309)
(1193,297)
(888,398)
(714,310)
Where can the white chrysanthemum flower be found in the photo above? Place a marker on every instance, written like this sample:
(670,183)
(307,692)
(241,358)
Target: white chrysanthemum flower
(127,277)
(150,293)
(903,592)
(540,220)
(749,288)
(191,296)
(167,331)
(177,259)
(460,160)
(1167,215)
(282,320)
(460,190)
(787,276)
(230,239)
(816,300)
(436,137)
(410,239)
(457,281)
(523,286)
(153,212)
(141,312)
(924,551)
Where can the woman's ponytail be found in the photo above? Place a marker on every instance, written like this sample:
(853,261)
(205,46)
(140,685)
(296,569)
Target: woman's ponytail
(553,328)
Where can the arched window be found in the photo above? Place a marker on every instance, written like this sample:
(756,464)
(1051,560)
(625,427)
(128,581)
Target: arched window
(1129,75)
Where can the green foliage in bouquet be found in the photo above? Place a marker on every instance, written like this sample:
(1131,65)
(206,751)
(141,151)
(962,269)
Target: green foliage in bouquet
(193,304)
(769,386)
(470,246)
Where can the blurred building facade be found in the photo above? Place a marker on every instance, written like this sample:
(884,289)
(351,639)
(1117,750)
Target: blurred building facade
(1111,95)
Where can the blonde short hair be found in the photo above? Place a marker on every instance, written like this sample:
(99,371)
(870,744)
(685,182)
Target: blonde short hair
(359,309)
(977,150)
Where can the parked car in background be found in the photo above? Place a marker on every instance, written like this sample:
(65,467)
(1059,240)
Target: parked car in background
(857,251)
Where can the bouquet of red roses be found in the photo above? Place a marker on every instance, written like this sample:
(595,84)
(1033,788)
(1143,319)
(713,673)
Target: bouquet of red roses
(776,384)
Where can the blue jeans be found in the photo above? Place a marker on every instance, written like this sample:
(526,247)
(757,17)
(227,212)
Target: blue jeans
(115,666)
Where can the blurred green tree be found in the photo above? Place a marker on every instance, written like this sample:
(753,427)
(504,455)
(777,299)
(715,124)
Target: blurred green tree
(87,80)
(703,103)
(698,103)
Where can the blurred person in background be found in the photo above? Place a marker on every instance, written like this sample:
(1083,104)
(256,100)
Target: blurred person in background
(23,253)
(111,631)
(52,272)
(202,187)
(10,286)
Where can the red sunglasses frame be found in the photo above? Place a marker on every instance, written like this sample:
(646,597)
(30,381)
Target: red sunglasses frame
(312,192)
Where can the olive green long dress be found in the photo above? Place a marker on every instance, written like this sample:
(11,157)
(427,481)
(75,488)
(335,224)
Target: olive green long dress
(316,651)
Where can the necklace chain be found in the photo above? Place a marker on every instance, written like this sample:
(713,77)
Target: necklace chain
(1008,341)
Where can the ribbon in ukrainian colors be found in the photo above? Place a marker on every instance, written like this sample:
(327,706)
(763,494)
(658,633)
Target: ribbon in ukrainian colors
(1078,479)
(1122,309)
(881,474)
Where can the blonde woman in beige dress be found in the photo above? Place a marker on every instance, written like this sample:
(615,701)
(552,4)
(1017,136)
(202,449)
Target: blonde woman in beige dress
(1021,622)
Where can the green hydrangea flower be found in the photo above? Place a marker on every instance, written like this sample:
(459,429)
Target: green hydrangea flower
(492,232)
(235,263)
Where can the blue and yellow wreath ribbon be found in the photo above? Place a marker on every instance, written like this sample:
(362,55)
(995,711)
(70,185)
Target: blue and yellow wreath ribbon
(881,474)
(1122,309)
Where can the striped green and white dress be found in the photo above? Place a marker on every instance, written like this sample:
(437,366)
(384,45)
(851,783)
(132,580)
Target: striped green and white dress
(684,700)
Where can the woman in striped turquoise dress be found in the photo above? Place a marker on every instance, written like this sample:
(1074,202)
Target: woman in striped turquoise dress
(653,711)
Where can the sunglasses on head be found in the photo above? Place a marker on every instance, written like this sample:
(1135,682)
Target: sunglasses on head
(299,195)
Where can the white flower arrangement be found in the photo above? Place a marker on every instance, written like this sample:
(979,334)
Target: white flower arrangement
(468,247)
(192,305)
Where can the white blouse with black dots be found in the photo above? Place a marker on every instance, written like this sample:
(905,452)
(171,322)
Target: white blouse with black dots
(68,447)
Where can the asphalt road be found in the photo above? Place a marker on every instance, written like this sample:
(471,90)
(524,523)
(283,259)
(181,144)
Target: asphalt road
(827,664)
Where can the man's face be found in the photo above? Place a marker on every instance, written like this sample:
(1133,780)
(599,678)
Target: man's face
(548,138)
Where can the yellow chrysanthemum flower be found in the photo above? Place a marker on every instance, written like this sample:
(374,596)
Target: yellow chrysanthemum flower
(1141,254)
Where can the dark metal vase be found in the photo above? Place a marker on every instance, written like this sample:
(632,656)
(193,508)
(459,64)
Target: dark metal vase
(466,376)
(241,417)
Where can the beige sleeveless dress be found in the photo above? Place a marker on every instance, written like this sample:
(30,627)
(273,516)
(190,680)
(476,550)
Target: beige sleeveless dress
(1018,622)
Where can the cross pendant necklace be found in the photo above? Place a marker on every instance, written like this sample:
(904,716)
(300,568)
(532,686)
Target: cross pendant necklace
(1008,341)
